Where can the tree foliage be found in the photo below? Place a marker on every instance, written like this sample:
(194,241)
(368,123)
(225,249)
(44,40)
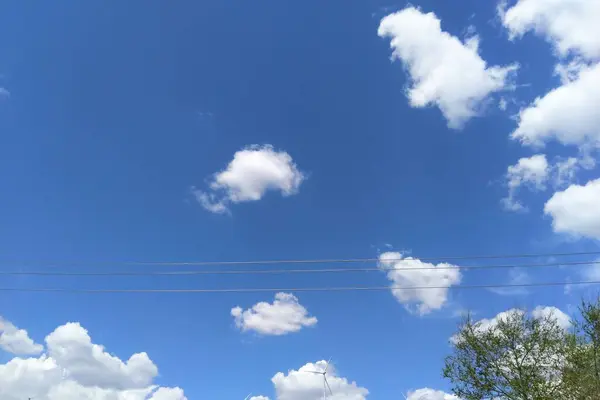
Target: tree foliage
(519,356)
(582,370)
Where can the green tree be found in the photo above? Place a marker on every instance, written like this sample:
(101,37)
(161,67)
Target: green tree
(516,357)
(582,369)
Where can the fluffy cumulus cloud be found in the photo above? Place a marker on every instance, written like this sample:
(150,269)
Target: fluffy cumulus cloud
(444,71)
(430,394)
(571,26)
(576,210)
(285,315)
(90,364)
(568,114)
(532,171)
(253,172)
(17,341)
(302,384)
(563,320)
(74,368)
(536,172)
(432,282)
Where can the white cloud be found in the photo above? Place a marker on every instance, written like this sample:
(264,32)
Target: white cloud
(303,385)
(71,345)
(412,272)
(445,72)
(570,71)
(70,390)
(564,321)
(485,324)
(516,277)
(535,171)
(17,341)
(568,114)
(589,273)
(576,210)
(259,398)
(592,271)
(210,202)
(503,104)
(285,315)
(253,171)
(165,393)
(565,171)
(532,171)
(430,394)
(74,368)
(571,26)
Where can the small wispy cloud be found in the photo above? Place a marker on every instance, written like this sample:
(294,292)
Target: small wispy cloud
(590,273)
(517,276)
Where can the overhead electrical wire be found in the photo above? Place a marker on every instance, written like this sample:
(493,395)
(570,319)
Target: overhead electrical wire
(303,271)
(359,260)
(320,261)
(289,271)
(306,289)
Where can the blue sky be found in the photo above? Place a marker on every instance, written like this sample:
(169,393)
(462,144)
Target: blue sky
(114,117)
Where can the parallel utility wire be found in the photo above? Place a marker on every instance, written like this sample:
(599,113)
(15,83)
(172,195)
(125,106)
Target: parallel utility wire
(293,271)
(307,289)
(316,261)
(360,260)
(384,265)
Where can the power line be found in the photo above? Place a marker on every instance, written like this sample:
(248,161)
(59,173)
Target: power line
(358,260)
(291,271)
(319,261)
(308,289)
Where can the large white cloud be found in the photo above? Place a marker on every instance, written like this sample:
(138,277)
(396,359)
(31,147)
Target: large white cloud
(568,114)
(412,272)
(89,364)
(285,315)
(17,341)
(532,171)
(541,312)
(303,385)
(570,25)
(576,210)
(445,71)
(74,368)
(430,394)
(564,321)
(253,171)
(486,324)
